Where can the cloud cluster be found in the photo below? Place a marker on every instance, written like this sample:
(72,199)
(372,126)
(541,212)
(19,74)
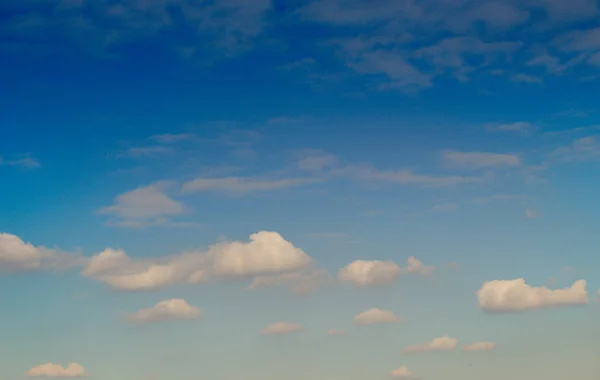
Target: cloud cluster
(165,310)
(266,253)
(501,296)
(57,371)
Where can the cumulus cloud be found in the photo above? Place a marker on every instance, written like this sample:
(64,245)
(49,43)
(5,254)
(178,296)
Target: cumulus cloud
(479,347)
(266,253)
(144,206)
(444,343)
(370,273)
(375,316)
(281,328)
(17,255)
(480,160)
(57,371)
(403,373)
(501,296)
(165,310)
(415,266)
(300,283)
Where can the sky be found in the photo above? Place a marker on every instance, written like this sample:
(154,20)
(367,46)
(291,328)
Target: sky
(327,189)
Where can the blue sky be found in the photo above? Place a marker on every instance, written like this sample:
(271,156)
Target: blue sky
(335,189)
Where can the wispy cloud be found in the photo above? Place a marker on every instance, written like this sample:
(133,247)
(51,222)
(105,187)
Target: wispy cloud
(583,149)
(26,162)
(480,160)
(242,185)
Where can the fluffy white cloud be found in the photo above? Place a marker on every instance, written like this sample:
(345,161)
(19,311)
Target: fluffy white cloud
(370,273)
(281,328)
(403,373)
(479,347)
(444,343)
(165,310)
(516,295)
(142,207)
(335,332)
(298,282)
(17,255)
(375,316)
(415,266)
(265,253)
(480,160)
(57,371)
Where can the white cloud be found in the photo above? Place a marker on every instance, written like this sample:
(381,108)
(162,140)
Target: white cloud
(479,347)
(335,332)
(165,310)
(375,316)
(415,266)
(315,160)
(17,255)
(26,162)
(403,373)
(480,160)
(370,273)
(265,253)
(515,296)
(583,149)
(240,185)
(300,283)
(57,371)
(444,343)
(144,206)
(519,126)
(281,328)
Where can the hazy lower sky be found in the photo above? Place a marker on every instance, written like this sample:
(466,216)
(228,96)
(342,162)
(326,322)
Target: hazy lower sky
(300,190)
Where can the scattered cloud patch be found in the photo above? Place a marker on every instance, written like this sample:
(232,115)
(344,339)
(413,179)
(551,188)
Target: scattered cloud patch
(415,266)
(403,373)
(504,296)
(519,126)
(26,162)
(240,185)
(444,343)
(479,347)
(74,370)
(266,253)
(583,149)
(281,328)
(375,316)
(172,309)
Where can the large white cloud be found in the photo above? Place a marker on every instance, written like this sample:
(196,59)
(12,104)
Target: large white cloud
(281,328)
(165,310)
(479,347)
(265,253)
(403,373)
(444,343)
(370,273)
(57,371)
(375,316)
(516,295)
(17,255)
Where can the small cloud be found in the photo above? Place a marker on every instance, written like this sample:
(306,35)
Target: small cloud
(519,126)
(281,328)
(403,373)
(145,151)
(172,309)
(25,162)
(444,343)
(364,273)
(583,149)
(415,266)
(240,185)
(503,296)
(335,332)
(479,347)
(74,370)
(300,283)
(375,316)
